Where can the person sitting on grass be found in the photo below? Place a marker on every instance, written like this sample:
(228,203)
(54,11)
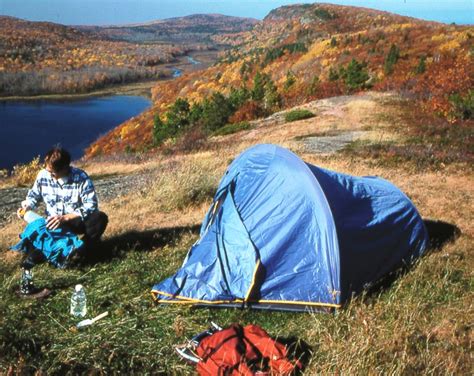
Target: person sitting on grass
(70,199)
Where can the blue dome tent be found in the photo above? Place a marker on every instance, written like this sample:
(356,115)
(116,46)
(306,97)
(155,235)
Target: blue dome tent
(283,234)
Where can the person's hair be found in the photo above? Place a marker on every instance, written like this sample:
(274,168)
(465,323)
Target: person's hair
(58,159)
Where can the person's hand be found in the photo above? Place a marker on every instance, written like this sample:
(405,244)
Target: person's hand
(25,206)
(55,221)
(23,209)
(20,212)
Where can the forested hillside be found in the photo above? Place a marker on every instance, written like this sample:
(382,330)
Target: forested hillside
(47,58)
(305,52)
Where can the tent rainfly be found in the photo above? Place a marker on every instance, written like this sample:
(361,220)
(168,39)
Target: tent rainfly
(286,235)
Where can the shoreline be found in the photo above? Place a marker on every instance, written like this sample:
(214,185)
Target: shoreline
(142,88)
(139,88)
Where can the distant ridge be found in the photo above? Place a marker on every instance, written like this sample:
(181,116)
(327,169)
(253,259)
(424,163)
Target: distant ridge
(191,17)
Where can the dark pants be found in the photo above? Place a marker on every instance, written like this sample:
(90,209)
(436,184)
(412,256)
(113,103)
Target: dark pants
(92,228)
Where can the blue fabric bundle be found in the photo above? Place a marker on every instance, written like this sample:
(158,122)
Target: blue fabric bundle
(56,245)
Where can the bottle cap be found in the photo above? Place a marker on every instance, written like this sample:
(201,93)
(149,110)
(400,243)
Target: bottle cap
(78,288)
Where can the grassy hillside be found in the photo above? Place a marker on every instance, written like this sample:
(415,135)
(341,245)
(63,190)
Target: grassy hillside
(305,52)
(420,324)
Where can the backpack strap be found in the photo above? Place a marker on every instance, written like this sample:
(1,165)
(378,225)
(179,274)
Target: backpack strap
(218,346)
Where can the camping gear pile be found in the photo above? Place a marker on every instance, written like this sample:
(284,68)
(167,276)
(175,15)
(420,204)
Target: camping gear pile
(238,350)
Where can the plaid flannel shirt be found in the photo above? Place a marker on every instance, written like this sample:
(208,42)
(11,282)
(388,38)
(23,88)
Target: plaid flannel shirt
(76,195)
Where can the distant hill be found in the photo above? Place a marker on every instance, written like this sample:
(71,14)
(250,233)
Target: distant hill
(48,58)
(315,51)
(198,28)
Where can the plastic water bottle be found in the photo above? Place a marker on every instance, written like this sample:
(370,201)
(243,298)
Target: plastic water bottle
(31,216)
(26,282)
(78,302)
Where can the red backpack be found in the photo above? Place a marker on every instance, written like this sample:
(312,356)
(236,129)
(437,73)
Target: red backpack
(243,351)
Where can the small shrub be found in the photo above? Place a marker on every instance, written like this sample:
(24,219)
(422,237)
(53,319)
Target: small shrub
(232,128)
(333,74)
(25,174)
(192,140)
(462,106)
(298,115)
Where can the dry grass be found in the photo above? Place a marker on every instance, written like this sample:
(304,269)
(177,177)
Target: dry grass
(421,324)
(186,184)
(118,166)
(24,175)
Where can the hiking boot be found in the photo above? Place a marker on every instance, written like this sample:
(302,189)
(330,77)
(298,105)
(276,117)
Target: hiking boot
(35,293)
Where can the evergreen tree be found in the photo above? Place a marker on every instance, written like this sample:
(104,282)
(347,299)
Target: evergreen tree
(258,90)
(238,97)
(355,75)
(177,117)
(159,130)
(421,68)
(290,80)
(244,69)
(271,99)
(391,59)
(313,86)
(195,114)
(215,112)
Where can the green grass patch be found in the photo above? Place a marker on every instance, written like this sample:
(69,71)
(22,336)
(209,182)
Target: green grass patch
(232,128)
(136,337)
(411,316)
(298,115)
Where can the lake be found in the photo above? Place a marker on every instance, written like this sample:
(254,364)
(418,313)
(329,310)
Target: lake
(31,128)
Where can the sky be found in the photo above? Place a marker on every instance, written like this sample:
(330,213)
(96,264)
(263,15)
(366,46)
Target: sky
(113,12)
